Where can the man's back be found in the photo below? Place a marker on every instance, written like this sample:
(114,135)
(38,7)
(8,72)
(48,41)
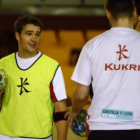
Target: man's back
(112,60)
(114,57)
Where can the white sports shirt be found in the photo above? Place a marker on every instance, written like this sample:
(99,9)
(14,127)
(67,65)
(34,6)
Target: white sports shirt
(111,62)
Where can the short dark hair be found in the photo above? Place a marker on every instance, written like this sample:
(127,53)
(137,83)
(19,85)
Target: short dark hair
(120,8)
(137,4)
(24,20)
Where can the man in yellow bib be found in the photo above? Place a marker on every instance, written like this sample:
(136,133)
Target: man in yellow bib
(35,94)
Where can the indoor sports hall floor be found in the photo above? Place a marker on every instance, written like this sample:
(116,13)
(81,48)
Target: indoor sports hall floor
(70,136)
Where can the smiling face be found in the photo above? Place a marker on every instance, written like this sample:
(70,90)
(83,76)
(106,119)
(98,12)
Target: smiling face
(28,40)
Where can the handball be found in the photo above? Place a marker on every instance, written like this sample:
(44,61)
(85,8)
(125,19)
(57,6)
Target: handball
(79,126)
(3,79)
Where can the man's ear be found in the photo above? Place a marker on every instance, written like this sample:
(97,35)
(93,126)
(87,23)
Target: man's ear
(17,36)
(109,16)
(135,14)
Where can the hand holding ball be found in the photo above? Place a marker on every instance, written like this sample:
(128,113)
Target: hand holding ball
(79,126)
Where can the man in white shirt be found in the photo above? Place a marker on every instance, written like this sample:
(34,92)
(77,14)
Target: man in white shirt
(111,63)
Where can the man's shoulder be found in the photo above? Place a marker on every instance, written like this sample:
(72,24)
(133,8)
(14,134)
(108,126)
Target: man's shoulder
(48,59)
(98,38)
(10,56)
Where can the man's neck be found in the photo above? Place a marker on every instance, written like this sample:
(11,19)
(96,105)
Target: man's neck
(27,55)
(122,22)
(137,25)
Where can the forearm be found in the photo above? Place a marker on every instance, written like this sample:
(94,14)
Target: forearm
(1,98)
(61,128)
(61,125)
(79,100)
(78,104)
(80,97)
(0,101)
